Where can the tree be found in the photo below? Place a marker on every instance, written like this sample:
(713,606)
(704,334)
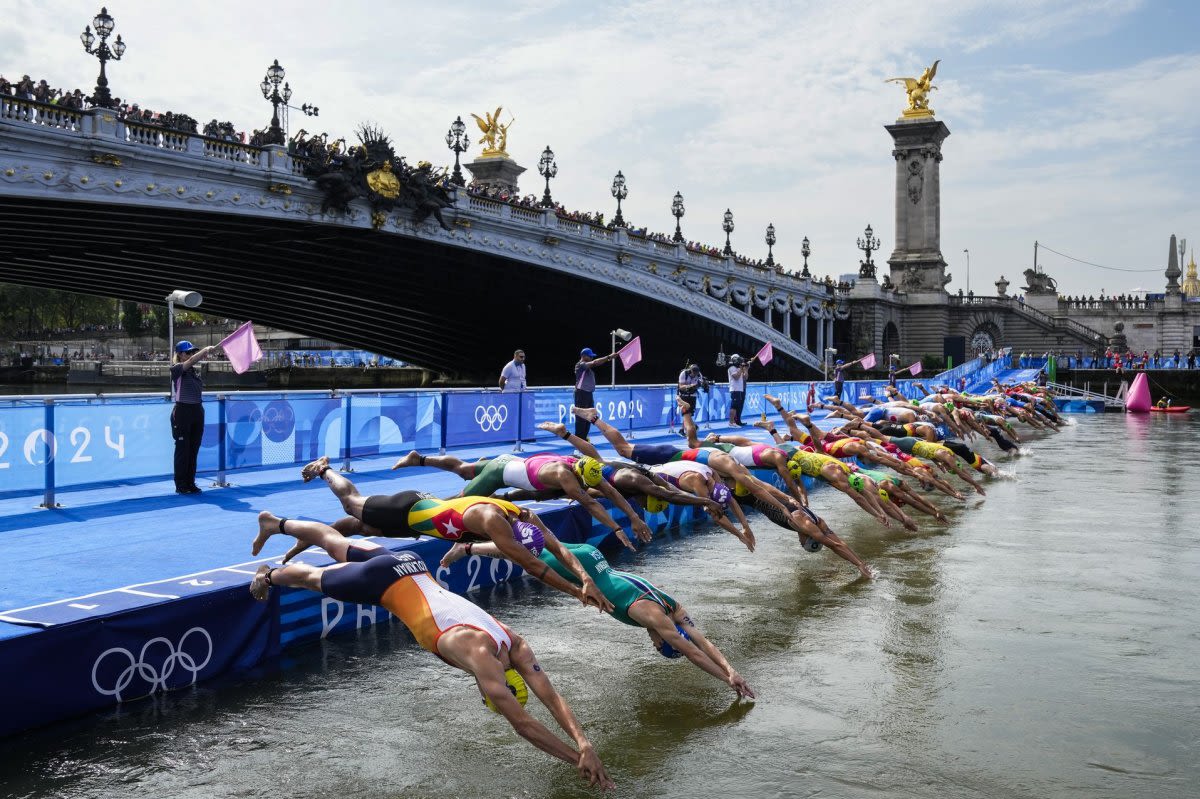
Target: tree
(131,319)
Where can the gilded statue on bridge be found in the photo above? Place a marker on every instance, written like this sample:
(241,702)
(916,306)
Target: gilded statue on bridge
(918,90)
(495,135)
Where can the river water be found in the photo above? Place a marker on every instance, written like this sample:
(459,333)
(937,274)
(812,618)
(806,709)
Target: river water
(1043,645)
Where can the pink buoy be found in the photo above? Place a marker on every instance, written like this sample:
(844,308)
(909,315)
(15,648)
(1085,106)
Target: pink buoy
(1138,398)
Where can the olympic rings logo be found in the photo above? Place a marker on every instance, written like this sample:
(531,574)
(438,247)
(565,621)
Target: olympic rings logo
(491,417)
(154,665)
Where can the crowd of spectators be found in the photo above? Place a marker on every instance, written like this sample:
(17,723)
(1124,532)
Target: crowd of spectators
(1111,358)
(42,92)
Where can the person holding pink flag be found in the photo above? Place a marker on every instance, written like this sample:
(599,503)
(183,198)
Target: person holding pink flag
(187,417)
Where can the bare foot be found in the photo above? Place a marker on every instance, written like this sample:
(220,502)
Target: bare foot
(587,414)
(684,408)
(315,469)
(804,418)
(557,428)
(765,425)
(711,438)
(773,400)
(411,459)
(259,588)
(268,525)
(456,552)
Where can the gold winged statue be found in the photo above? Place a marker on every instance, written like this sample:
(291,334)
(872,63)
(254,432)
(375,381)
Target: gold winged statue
(918,91)
(495,135)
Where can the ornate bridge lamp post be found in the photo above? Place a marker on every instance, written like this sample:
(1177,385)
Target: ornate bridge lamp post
(619,191)
(677,212)
(770,244)
(270,91)
(103,24)
(806,251)
(727,226)
(547,168)
(457,141)
(868,245)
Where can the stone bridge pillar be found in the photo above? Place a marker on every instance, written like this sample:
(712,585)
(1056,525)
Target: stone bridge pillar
(917,264)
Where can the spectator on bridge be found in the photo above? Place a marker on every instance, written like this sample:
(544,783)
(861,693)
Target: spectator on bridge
(187,417)
(585,385)
(512,376)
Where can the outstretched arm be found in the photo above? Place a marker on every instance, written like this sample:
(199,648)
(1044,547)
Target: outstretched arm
(681,617)
(570,487)
(639,526)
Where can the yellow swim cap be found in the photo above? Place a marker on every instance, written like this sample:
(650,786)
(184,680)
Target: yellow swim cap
(795,468)
(740,490)
(655,504)
(589,470)
(516,686)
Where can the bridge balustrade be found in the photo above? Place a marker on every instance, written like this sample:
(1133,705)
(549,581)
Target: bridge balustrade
(483,206)
(52,443)
(45,114)
(526,214)
(154,136)
(233,151)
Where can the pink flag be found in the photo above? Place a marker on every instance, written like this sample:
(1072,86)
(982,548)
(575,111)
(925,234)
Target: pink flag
(241,348)
(868,361)
(631,353)
(766,354)
(915,369)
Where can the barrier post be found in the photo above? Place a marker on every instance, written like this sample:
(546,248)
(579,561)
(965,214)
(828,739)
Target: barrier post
(520,413)
(445,418)
(346,433)
(222,421)
(629,436)
(48,489)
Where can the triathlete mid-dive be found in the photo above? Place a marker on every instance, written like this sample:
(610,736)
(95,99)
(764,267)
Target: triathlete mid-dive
(657,454)
(538,472)
(444,623)
(415,513)
(685,482)
(811,529)
(636,602)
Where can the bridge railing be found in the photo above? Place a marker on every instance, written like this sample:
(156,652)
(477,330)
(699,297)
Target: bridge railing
(53,443)
(45,114)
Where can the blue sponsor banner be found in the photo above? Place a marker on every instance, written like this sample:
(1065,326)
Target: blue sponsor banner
(75,668)
(485,417)
(25,446)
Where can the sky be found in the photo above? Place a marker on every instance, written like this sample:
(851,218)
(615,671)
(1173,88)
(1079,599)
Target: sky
(1071,123)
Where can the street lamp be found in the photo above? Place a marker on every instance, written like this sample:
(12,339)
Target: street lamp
(829,351)
(624,335)
(968,252)
(806,251)
(868,245)
(103,24)
(727,226)
(620,192)
(547,168)
(270,91)
(770,244)
(188,299)
(458,142)
(677,212)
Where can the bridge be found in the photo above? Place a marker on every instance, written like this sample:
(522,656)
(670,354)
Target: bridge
(95,204)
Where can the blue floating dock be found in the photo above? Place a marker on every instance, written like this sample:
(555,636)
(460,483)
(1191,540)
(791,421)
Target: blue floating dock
(131,589)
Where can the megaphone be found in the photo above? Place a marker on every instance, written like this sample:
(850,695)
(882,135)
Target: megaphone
(624,335)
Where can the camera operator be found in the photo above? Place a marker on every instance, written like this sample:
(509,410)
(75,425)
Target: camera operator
(691,381)
(738,370)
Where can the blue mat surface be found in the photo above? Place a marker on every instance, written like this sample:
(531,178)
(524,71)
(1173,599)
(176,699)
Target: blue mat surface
(119,546)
